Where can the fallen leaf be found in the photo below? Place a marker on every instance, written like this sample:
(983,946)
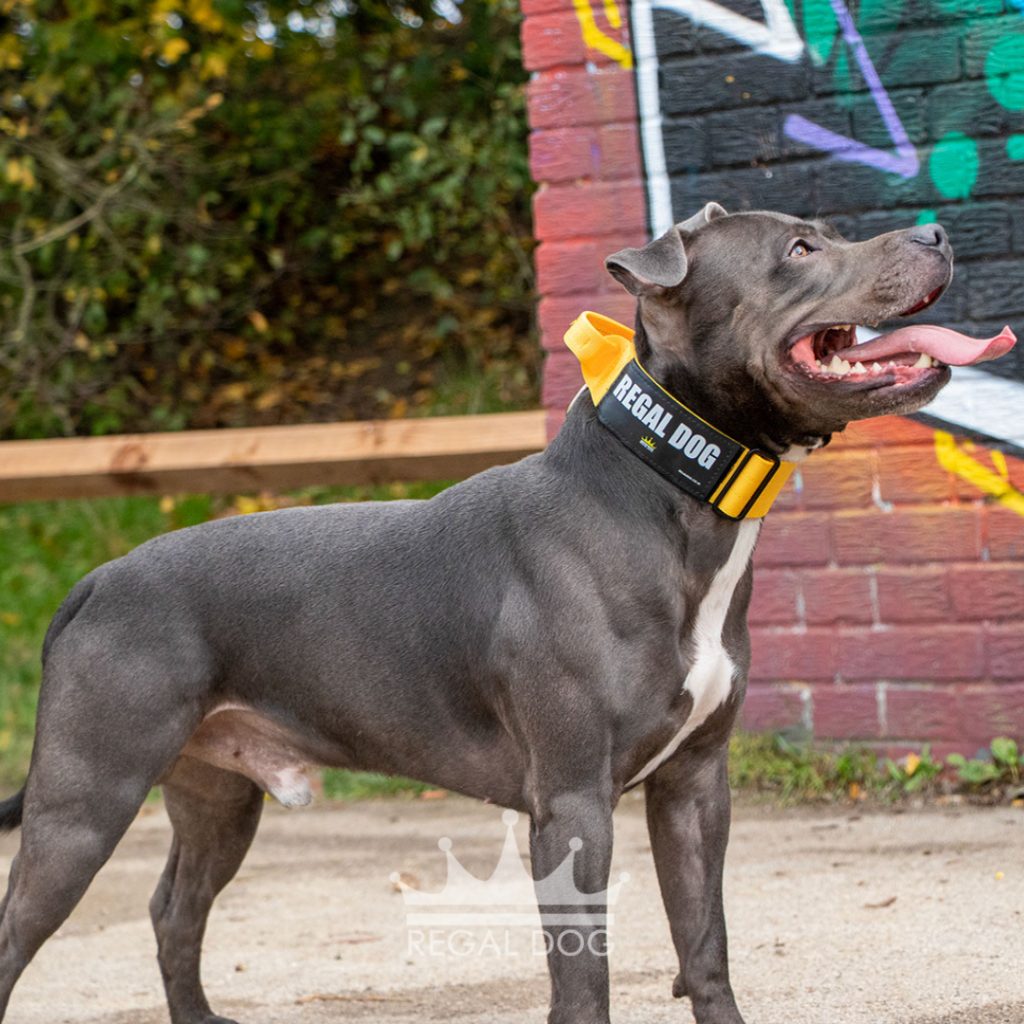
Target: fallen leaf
(433,794)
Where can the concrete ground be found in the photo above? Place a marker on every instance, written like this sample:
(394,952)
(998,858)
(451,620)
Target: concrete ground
(835,918)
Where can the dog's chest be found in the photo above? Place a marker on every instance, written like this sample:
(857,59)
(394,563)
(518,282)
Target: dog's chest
(710,677)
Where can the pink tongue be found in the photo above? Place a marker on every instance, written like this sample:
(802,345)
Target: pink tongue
(940,343)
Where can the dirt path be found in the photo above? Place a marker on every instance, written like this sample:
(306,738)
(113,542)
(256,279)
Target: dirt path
(834,919)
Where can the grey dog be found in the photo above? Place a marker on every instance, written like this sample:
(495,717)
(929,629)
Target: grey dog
(542,636)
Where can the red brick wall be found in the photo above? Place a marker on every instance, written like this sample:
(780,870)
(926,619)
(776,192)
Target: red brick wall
(889,594)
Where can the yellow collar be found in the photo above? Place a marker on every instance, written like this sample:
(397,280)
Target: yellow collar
(747,483)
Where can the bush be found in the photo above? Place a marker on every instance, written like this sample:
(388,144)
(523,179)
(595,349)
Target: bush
(217,213)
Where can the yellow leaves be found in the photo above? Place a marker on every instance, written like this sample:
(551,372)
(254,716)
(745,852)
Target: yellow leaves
(154,243)
(10,618)
(259,321)
(16,129)
(81,342)
(269,399)
(174,49)
(245,504)
(202,13)
(214,66)
(19,172)
(10,56)
(232,394)
(913,762)
(235,349)
(167,504)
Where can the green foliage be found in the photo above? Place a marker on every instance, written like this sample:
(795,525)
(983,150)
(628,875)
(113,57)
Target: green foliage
(773,763)
(217,212)
(1006,766)
(914,772)
(345,785)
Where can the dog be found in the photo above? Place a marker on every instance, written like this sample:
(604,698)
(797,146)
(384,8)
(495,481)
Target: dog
(544,635)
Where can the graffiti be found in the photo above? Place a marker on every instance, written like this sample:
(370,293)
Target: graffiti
(904,162)
(957,458)
(876,114)
(598,40)
(776,36)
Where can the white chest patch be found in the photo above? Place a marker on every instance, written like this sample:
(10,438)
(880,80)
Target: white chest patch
(709,680)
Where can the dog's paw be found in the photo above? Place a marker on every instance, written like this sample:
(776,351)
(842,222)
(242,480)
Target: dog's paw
(679,987)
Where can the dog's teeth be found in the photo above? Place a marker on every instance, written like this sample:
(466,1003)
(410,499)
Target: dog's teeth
(923,362)
(876,367)
(859,368)
(837,364)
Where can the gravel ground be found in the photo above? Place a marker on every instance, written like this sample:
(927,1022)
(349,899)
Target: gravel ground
(835,918)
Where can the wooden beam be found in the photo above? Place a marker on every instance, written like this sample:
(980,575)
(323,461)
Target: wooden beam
(272,458)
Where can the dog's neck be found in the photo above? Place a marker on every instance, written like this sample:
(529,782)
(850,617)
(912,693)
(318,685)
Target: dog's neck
(599,465)
(740,410)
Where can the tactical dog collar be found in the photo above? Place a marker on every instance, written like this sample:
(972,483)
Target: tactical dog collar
(738,482)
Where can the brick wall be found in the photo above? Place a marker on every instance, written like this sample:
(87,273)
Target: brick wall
(889,595)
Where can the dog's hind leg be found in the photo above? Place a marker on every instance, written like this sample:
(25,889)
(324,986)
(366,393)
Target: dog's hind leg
(91,770)
(214,813)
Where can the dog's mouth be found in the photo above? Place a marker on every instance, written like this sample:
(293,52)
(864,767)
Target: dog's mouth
(831,354)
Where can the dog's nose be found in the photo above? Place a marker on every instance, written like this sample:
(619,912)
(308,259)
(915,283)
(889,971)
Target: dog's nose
(932,235)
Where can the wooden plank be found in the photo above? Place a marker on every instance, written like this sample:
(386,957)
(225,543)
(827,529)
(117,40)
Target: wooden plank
(273,458)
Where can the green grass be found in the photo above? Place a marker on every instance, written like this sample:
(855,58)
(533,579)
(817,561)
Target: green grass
(344,785)
(46,547)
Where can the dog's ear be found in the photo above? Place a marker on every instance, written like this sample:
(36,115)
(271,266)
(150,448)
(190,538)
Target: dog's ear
(711,211)
(652,270)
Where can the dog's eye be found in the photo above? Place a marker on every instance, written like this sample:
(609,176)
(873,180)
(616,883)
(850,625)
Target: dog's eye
(799,248)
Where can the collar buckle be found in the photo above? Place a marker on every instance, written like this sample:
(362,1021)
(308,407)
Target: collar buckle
(743,479)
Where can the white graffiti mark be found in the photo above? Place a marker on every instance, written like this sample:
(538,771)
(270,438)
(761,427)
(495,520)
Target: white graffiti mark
(775,37)
(645,55)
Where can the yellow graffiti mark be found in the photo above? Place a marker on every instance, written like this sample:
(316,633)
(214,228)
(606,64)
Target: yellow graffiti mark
(598,40)
(957,460)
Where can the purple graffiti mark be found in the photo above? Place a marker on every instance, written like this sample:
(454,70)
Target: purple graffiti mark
(904,161)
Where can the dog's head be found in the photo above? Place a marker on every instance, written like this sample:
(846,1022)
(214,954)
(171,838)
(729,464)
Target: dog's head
(751,317)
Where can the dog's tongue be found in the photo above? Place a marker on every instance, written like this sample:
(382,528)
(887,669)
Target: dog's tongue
(949,347)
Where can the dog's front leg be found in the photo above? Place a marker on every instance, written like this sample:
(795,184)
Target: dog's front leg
(688,809)
(574,928)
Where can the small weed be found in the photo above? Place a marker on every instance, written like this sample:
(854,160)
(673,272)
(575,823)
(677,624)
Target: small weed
(912,773)
(1005,767)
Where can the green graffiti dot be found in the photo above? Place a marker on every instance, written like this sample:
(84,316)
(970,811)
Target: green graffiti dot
(1004,71)
(954,165)
(927,217)
(1015,147)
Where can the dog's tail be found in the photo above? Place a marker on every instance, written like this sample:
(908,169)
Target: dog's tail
(10,811)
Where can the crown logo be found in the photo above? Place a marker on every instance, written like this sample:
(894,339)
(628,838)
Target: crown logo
(510,885)
(648,442)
